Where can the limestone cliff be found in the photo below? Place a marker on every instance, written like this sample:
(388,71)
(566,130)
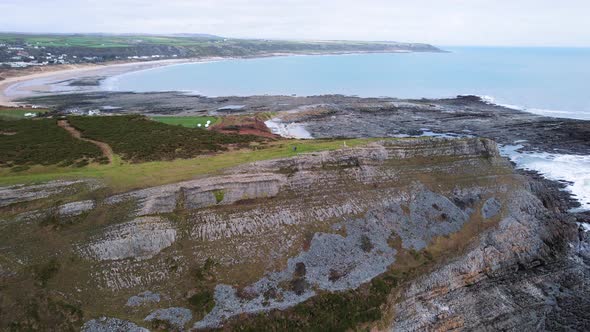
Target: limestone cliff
(406,234)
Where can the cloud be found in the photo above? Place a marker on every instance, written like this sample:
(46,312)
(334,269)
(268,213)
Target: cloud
(442,22)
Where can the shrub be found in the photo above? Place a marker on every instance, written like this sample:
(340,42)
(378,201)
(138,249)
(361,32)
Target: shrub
(43,273)
(219,195)
(366,244)
(42,142)
(203,300)
(138,139)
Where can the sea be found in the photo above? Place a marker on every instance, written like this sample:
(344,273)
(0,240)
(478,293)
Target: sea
(551,81)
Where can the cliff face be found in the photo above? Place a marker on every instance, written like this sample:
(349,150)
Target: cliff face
(449,219)
(530,273)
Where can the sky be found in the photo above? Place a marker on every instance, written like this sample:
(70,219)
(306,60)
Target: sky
(438,22)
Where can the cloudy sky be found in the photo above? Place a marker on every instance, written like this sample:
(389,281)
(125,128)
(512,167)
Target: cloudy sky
(440,22)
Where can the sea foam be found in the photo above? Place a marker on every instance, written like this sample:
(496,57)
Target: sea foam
(573,169)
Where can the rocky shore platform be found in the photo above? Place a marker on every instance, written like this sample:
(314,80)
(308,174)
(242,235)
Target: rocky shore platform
(344,116)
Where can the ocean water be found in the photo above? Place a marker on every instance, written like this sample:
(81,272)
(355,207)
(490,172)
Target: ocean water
(550,81)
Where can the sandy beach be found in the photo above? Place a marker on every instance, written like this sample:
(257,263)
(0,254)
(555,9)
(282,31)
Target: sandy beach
(29,84)
(37,83)
(26,85)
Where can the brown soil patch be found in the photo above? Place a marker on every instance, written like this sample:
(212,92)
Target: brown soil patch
(244,125)
(104,147)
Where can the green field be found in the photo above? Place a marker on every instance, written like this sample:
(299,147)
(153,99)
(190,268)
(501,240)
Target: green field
(17,113)
(186,121)
(147,153)
(111,46)
(98,41)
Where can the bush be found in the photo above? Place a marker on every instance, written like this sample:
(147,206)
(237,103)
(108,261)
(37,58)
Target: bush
(138,139)
(203,300)
(366,244)
(42,142)
(219,195)
(44,272)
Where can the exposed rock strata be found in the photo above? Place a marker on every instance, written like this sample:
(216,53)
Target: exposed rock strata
(281,231)
(24,193)
(204,192)
(146,297)
(529,274)
(141,238)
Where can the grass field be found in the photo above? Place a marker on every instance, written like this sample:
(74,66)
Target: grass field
(121,176)
(17,113)
(186,121)
(97,41)
(147,153)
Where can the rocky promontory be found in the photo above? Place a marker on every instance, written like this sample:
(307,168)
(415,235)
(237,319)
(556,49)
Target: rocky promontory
(400,234)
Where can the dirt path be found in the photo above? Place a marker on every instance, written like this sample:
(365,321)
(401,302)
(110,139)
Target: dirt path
(104,147)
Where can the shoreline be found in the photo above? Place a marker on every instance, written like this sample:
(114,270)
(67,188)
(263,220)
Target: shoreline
(77,72)
(90,78)
(62,73)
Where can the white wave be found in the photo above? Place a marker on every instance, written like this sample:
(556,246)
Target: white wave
(288,130)
(573,169)
(539,111)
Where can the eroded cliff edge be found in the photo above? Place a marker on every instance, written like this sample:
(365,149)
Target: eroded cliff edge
(402,234)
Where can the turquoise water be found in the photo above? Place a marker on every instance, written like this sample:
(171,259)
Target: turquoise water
(551,81)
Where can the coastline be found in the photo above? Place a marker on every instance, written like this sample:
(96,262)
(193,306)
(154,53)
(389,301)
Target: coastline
(60,73)
(75,72)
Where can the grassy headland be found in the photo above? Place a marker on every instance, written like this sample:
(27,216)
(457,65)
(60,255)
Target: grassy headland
(146,153)
(93,48)
(122,176)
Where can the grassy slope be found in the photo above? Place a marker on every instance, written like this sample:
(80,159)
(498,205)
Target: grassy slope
(48,151)
(122,176)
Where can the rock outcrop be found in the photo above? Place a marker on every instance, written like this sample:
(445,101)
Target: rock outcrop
(141,238)
(106,324)
(25,193)
(174,318)
(530,273)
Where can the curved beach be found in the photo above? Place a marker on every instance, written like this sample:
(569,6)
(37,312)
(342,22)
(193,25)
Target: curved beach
(45,82)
